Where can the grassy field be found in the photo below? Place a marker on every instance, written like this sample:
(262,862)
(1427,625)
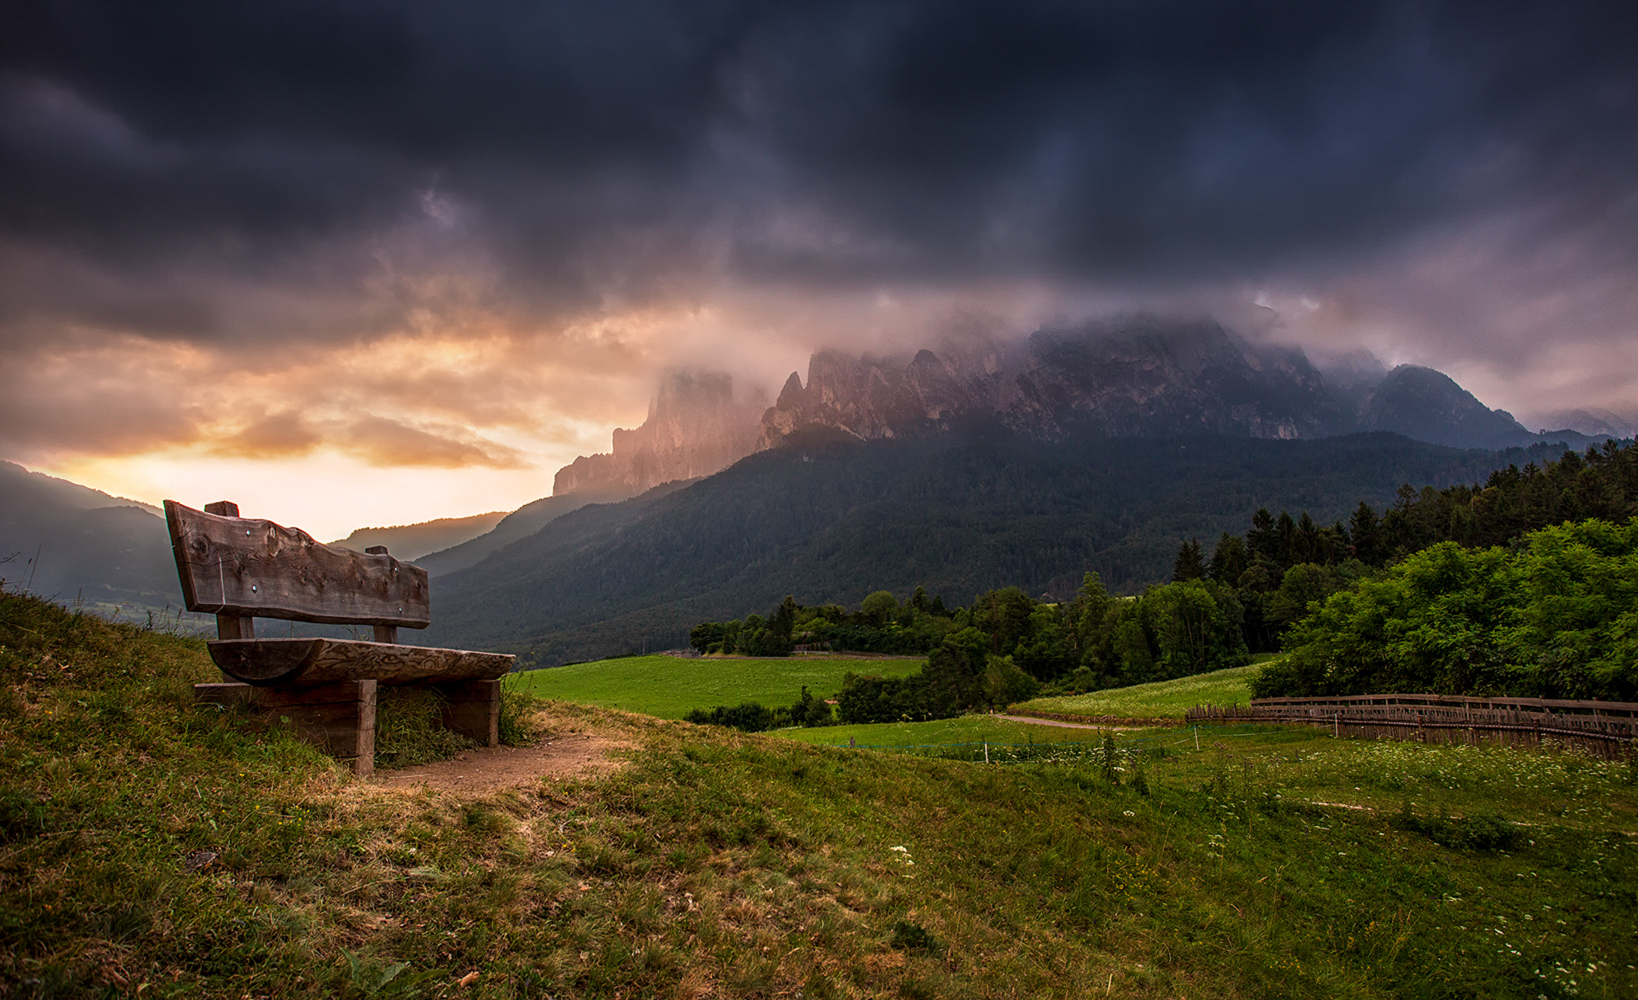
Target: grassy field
(1160,700)
(151,848)
(668,686)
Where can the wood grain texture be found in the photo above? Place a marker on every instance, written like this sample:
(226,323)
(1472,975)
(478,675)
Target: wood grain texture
(311,662)
(256,568)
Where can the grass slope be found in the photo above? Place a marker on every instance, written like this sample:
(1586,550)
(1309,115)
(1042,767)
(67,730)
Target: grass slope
(668,686)
(1160,700)
(150,847)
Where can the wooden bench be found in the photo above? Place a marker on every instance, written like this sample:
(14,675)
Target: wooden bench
(241,569)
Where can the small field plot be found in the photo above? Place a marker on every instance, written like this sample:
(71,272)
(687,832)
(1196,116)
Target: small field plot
(668,686)
(1160,700)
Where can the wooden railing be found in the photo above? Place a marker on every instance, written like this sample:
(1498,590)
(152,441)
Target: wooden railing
(1604,727)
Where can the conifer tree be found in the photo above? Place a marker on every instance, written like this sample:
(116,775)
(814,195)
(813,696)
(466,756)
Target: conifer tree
(1229,560)
(1190,564)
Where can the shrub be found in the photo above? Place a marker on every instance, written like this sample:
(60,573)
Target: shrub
(747,717)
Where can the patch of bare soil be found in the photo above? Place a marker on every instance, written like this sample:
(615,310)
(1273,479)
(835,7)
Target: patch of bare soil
(564,755)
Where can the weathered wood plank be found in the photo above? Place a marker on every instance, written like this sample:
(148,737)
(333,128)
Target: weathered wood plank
(311,662)
(248,567)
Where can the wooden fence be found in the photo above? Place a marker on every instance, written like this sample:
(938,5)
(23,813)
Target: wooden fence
(1606,728)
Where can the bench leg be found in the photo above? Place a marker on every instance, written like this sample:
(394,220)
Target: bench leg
(337,718)
(472,708)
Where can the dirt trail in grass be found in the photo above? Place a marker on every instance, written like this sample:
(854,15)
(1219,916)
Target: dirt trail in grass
(569,755)
(1066,725)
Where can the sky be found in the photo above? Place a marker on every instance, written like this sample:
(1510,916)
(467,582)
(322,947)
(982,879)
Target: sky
(356,263)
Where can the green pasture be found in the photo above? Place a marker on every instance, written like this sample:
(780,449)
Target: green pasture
(1160,700)
(668,686)
(151,846)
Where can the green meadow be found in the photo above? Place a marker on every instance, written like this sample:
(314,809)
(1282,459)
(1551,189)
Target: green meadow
(1160,700)
(668,686)
(151,847)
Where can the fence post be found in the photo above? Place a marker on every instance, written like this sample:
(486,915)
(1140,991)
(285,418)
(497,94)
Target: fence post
(986,751)
(1336,726)
(1196,739)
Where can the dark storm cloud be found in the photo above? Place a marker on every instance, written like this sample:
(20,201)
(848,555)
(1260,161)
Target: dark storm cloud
(306,169)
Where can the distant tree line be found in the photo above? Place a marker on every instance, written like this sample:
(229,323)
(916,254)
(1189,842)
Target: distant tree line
(881,625)
(1006,647)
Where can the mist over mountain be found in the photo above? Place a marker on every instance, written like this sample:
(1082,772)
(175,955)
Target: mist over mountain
(697,425)
(73,543)
(1136,376)
(516,526)
(1126,376)
(1429,406)
(412,541)
(1593,422)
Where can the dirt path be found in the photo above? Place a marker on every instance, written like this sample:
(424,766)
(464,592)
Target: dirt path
(1065,725)
(567,755)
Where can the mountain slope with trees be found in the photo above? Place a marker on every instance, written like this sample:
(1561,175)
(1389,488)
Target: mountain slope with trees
(833,519)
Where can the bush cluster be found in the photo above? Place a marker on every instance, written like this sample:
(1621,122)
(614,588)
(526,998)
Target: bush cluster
(753,717)
(1555,616)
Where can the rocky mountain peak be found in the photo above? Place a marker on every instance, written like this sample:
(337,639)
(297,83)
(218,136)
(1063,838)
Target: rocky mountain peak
(697,425)
(1135,375)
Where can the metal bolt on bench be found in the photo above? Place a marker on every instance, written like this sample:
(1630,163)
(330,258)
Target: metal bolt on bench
(241,569)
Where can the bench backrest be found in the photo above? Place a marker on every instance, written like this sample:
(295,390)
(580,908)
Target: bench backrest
(251,568)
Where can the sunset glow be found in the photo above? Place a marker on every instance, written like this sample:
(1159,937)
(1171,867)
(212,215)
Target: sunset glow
(414,271)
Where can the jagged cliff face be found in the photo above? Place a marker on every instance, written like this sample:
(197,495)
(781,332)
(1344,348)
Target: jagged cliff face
(696,426)
(1133,376)
(1123,378)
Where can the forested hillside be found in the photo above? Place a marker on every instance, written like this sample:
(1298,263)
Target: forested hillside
(1523,587)
(835,519)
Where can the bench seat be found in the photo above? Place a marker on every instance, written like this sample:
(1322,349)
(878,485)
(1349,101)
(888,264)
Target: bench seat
(313,662)
(241,569)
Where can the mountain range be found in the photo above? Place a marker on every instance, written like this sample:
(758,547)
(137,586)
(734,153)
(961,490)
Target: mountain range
(1093,447)
(1131,376)
(76,544)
